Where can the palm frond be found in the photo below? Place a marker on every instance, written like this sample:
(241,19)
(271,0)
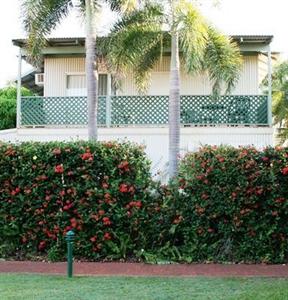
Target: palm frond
(150,13)
(135,43)
(222,60)
(124,6)
(279,78)
(193,35)
(280,106)
(148,59)
(40,18)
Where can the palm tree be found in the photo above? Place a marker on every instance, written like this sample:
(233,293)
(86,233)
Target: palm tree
(139,39)
(40,17)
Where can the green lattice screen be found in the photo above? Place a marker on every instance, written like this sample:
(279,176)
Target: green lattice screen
(41,111)
(145,110)
(141,110)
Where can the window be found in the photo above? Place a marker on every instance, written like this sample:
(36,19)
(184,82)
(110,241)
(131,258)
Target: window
(76,85)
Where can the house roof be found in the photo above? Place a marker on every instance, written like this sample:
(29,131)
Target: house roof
(28,81)
(263,39)
(80,41)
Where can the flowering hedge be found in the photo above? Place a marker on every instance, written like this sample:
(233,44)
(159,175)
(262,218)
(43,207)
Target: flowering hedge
(96,189)
(226,204)
(232,205)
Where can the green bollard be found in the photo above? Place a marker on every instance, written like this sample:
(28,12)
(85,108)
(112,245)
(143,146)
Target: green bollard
(70,238)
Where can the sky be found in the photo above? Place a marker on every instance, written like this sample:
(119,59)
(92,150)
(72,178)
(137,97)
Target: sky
(230,16)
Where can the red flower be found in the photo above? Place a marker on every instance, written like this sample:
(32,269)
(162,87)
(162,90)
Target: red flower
(106,221)
(41,178)
(107,236)
(15,192)
(95,217)
(138,204)
(59,169)
(259,191)
(101,212)
(123,188)
(124,166)
(67,228)
(107,196)
(265,158)
(42,246)
(131,189)
(68,206)
(177,220)
(47,198)
(280,200)
(73,222)
(221,159)
(204,196)
(56,151)
(93,239)
(285,171)
(87,156)
(105,185)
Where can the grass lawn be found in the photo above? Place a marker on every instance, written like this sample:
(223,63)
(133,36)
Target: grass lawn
(16,286)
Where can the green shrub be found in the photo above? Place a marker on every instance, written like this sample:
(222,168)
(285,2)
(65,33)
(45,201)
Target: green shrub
(8,97)
(7,113)
(96,189)
(232,205)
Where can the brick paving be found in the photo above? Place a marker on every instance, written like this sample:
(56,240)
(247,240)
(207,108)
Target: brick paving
(140,269)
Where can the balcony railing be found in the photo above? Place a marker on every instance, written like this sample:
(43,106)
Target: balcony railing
(145,110)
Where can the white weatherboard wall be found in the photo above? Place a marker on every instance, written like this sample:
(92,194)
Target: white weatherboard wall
(57,70)
(155,139)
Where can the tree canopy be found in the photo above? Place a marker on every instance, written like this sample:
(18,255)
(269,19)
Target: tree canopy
(279,98)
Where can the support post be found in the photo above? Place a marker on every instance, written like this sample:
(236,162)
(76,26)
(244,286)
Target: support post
(70,238)
(18,109)
(269,104)
(108,101)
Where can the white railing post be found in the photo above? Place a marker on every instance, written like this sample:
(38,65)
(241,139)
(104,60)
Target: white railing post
(269,104)
(18,109)
(108,101)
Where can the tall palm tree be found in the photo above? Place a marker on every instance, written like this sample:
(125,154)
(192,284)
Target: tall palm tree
(138,41)
(40,17)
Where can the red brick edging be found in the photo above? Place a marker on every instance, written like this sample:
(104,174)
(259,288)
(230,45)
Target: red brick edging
(139,269)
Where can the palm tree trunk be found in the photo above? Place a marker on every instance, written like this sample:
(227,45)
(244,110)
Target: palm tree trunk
(91,69)
(174,102)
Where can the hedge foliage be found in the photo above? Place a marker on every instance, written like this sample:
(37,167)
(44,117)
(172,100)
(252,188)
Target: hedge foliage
(96,189)
(232,205)
(226,204)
